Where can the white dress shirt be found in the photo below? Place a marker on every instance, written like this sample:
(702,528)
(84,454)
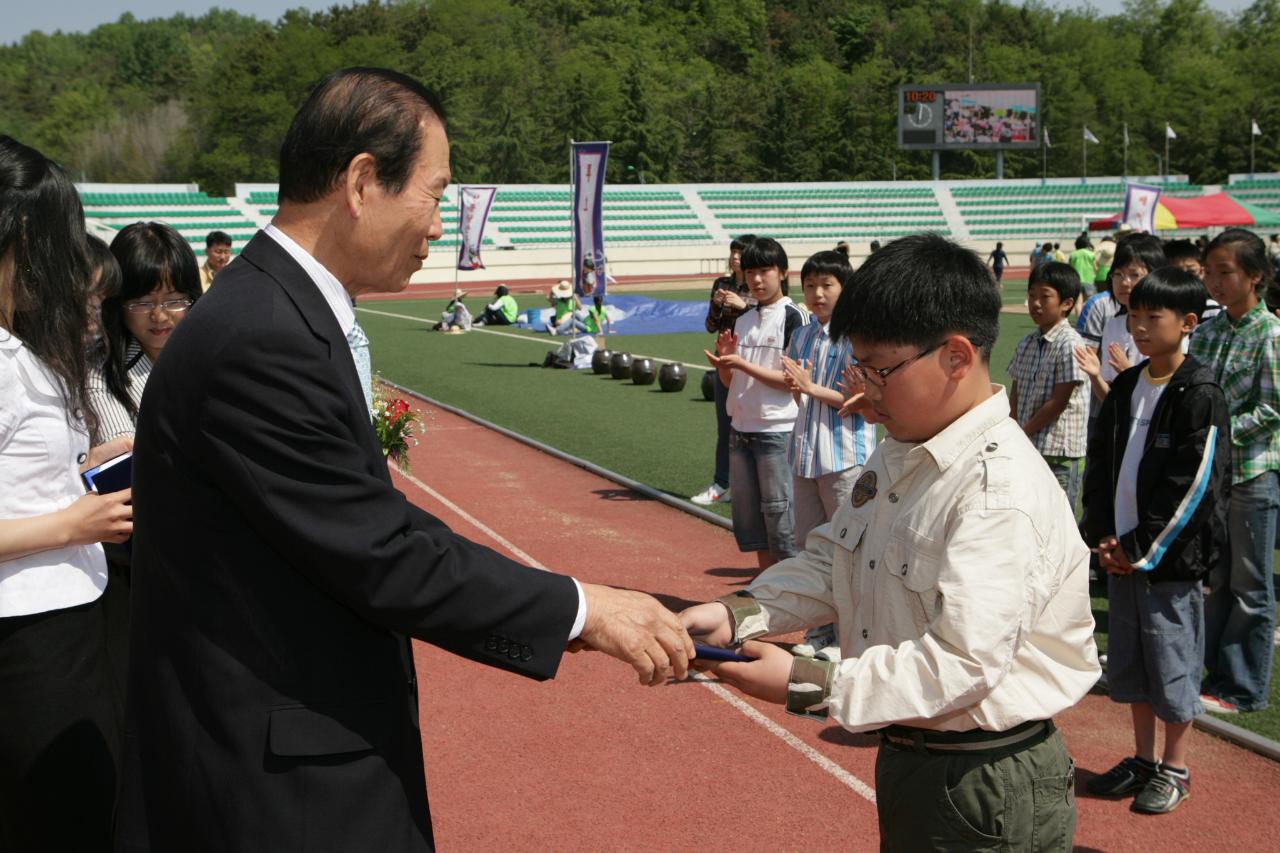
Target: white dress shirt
(958,580)
(41,449)
(339,301)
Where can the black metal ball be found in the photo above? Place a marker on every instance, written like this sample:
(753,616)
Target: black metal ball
(600,361)
(672,376)
(620,365)
(643,372)
(709,385)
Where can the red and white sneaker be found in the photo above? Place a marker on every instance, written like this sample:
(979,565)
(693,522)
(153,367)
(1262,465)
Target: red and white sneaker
(1216,705)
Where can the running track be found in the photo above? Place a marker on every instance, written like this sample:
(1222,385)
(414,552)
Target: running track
(592,761)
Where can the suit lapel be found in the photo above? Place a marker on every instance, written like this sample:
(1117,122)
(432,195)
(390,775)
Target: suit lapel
(270,257)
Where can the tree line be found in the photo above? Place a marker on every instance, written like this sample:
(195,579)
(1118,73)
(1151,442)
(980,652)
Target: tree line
(688,90)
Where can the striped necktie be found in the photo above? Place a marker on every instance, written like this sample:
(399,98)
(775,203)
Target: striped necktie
(359,343)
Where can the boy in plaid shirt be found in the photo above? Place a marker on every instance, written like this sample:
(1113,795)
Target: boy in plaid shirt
(1242,346)
(1049,397)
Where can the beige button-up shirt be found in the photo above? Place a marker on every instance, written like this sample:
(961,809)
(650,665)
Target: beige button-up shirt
(958,580)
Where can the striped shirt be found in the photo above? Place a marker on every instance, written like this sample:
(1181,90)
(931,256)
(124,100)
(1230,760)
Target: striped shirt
(1097,310)
(114,419)
(1041,362)
(822,442)
(1244,356)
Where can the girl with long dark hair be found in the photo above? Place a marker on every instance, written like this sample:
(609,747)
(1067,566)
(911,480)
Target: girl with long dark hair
(159,282)
(60,714)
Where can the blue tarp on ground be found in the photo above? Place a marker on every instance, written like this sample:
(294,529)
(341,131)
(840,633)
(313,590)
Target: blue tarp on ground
(636,315)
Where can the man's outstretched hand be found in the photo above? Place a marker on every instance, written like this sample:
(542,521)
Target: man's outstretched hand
(636,629)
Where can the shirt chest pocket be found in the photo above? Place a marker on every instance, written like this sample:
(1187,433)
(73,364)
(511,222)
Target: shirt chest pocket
(911,567)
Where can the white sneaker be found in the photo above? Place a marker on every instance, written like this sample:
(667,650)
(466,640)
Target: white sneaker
(710,495)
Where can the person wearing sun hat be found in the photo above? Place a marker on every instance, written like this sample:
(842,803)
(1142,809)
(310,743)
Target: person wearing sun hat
(563,306)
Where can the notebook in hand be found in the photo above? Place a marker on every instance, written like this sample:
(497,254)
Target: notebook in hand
(111,476)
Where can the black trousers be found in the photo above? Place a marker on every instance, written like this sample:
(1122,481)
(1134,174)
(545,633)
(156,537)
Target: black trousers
(60,725)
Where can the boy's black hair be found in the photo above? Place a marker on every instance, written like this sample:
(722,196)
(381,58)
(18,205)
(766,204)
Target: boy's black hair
(1061,277)
(831,262)
(1143,248)
(917,290)
(737,244)
(1170,287)
(501,290)
(217,238)
(765,252)
(1177,250)
(1250,254)
(1082,242)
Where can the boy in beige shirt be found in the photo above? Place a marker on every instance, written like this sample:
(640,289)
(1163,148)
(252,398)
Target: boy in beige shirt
(955,574)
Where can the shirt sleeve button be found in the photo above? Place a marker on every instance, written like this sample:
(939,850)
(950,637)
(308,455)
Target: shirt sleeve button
(872,565)
(865,633)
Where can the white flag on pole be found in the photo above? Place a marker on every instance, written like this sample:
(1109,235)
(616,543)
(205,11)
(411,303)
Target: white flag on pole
(1047,144)
(1168,133)
(1257,131)
(1089,137)
(1126,133)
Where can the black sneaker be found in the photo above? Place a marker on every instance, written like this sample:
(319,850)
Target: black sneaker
(1163,793)
(1126,777)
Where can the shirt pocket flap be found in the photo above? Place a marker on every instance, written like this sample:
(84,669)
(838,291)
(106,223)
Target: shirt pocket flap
(331,730)
(847,531)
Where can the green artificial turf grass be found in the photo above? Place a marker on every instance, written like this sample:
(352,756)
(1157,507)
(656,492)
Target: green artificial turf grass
(665,440)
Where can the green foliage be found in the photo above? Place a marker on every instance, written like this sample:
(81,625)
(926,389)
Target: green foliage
(688,90)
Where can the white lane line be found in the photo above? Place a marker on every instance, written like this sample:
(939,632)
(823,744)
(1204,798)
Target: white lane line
(843,776)
(859,787)
(542,341)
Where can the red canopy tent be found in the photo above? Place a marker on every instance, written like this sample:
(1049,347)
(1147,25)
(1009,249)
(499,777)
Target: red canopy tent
(1219,210)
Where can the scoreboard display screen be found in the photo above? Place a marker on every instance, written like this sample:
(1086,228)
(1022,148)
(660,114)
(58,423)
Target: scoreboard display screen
(943,116)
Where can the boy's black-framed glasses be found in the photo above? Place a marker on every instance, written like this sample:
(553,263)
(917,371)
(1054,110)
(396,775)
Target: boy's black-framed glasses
(877,375)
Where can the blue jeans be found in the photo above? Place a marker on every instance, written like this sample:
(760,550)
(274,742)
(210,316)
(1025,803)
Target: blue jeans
(1240,611)
(723,425)
(763,519)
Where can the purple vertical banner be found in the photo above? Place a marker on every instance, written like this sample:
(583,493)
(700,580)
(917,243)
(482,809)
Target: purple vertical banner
(473,213)
(1140,202)
(589,162)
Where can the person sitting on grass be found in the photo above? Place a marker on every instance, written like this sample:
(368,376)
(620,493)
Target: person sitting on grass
(1156,505)
(502,311)
(564,307)
(827,451)
(456,317)
(1048,398)
(955,575)
(761,411)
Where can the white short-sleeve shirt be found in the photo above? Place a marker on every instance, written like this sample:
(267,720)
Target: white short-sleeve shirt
(40,453)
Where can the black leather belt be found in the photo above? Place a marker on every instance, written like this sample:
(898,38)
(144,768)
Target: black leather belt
(978,740)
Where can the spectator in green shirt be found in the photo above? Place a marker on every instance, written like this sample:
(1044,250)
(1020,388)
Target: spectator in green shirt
(502,311)
(1081,261)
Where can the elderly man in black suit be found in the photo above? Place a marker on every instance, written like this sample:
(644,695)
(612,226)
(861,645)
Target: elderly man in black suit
(278,574)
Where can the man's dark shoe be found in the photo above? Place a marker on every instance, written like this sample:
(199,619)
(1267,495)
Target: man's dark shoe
(1127,777)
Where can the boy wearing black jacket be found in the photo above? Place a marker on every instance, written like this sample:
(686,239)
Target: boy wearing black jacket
(1155,504)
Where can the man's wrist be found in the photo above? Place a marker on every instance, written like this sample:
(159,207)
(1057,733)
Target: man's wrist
(746,616)
(809,687)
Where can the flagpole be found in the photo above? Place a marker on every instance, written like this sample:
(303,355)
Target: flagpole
(462,238)
(1084,155)
(1252,137)
(1126,149)
(1044,155)
(573,234)
(1166,153)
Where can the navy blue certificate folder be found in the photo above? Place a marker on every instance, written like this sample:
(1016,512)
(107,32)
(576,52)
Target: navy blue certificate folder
(111,476)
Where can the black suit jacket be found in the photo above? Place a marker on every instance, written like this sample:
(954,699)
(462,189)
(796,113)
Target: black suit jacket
(277,577)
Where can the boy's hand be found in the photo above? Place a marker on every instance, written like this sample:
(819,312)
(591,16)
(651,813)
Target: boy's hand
(729,361)
(1087,358)
(726,342)
(708,623)
(797,375)
(765,678)
(855,396)
(1119,361)
(1112,558)
(107,451)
